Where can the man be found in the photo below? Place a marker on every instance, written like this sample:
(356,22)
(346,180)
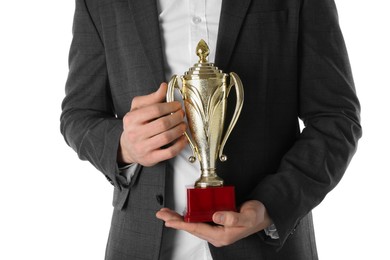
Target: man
(291,58)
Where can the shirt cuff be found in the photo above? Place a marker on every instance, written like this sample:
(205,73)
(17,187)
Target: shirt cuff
(272,232)
(128,171)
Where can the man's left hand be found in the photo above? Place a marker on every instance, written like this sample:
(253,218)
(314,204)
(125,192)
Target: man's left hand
(232,226)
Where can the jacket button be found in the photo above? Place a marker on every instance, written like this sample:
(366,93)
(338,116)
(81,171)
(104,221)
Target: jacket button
(160,199)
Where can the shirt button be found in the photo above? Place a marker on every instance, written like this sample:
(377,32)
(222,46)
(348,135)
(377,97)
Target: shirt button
(196,19)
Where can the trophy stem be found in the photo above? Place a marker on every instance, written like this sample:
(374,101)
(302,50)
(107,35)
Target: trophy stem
(209,178)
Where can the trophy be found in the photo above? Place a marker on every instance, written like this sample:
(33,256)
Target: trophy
(204,91)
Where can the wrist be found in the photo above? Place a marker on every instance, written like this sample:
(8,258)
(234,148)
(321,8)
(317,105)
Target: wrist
(122,157)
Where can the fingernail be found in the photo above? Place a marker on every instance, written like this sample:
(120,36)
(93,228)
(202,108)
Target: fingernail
(219,218)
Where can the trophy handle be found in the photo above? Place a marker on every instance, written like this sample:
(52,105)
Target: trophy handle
(239,103)
(172,85)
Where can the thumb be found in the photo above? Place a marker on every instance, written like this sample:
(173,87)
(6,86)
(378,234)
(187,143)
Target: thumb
(160,94)
(153,98)
(228,218)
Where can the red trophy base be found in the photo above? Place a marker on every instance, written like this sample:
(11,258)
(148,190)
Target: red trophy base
(202,203)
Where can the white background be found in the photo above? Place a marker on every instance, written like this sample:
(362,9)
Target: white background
(54,206)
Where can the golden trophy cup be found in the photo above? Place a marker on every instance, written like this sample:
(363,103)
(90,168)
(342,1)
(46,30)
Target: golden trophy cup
(205,90)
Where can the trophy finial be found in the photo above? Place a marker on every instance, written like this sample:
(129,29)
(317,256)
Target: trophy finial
(202,50)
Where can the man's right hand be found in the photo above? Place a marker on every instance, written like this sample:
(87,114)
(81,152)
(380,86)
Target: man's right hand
(153,130)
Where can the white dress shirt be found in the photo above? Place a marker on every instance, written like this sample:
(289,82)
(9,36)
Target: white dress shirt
(183,23)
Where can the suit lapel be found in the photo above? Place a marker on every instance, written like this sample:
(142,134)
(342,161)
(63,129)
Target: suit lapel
(233,13)
(146,21)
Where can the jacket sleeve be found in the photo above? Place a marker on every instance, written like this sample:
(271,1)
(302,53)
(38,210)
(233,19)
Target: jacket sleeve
(88,121)
(331,113)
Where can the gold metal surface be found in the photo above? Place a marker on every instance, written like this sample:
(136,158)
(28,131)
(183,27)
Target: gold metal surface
(205,90)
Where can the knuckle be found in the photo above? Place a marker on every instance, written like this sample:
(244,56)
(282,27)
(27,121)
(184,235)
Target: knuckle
(126,119)
(232,220)
(179,130)
(170,152)
(177,106)
(176,103)
(162,124)
(135,102)
(163,139)
(155,110)
(183,127)
(178,117)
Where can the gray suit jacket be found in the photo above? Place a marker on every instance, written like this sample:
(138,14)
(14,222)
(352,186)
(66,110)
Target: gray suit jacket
(293,63)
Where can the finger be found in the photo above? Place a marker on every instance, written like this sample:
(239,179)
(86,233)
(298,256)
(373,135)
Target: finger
(167,214)
(171,151)
(166,123)
(155,97)
(233,219)
(164,209)
(147,114)
(156,111)
(164,138)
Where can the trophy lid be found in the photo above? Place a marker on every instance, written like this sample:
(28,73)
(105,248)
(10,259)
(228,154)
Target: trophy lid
(203,51)
(203,68)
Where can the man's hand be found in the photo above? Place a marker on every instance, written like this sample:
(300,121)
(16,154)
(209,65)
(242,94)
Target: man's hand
(152,130)
(232,226)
